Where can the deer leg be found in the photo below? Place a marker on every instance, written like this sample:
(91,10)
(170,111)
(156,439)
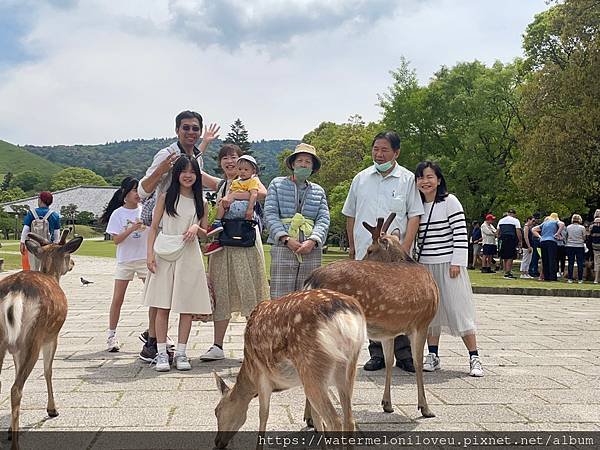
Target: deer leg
(345,387)
(388,354)
(24,362)
(321,405)
(417,342)
(2,354)
(264,402)
(49,349)
(308,415)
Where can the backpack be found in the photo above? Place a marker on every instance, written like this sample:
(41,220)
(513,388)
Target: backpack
(40,225)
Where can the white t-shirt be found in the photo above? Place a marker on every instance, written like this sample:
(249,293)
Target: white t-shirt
(133,248)
(372,196)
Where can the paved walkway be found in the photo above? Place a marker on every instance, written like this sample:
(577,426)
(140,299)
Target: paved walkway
(541,356)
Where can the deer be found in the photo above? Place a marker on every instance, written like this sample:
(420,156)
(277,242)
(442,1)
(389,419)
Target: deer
(398,296)
(33,308)
(309,338)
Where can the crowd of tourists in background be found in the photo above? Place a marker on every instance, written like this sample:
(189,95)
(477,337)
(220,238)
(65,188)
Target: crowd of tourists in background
(157,222)
(546,240)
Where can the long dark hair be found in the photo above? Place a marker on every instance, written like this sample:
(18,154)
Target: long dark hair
(442,190)
(172,197)
(127,185)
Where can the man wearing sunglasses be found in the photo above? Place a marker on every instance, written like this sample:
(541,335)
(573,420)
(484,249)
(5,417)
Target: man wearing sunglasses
(188,127)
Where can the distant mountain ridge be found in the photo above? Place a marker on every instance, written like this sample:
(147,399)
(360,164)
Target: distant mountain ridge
(115,160)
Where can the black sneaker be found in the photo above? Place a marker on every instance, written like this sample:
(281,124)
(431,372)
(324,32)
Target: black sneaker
(149,353)
(145,335)
(375,363)
(509,276)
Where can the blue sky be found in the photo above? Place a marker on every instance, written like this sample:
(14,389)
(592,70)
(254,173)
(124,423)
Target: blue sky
(92,71)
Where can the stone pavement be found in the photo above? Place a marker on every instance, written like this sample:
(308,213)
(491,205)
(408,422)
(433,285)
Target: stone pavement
(541,357)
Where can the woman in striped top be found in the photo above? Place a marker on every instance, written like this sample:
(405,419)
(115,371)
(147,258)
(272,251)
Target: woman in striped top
(443,249)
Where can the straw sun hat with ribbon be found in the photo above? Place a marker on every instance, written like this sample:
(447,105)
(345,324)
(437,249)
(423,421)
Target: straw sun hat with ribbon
(308,149)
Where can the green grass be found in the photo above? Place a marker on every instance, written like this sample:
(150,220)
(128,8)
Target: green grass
(107,249)
(497,280)
(16,159)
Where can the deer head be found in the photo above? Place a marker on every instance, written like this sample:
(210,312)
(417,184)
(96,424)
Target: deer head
(385,247)
(55,258)
(231,412)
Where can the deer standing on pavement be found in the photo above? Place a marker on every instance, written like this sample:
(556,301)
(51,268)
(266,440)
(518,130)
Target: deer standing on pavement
(33,308)
(309,338)
(398,296)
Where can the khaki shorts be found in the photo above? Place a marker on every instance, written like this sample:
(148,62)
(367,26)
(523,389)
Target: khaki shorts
(126,270)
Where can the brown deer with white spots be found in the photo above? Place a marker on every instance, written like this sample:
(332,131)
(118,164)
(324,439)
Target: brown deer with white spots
(308,338)
(33,308)
(397,294)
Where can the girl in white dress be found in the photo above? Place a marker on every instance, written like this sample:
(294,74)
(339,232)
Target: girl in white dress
(178,285)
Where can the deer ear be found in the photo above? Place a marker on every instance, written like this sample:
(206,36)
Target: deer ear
(221,385)
(33,246)
(39,239)
(72,245)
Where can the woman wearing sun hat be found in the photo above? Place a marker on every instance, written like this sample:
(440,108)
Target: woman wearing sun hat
(297,217)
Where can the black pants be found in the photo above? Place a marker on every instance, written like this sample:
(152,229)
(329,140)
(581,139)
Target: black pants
(579,254)
(534,266)
(549,261)
(561,258)
(401,348)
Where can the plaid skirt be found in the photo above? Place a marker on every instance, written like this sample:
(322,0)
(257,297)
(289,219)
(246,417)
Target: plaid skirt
(287,273)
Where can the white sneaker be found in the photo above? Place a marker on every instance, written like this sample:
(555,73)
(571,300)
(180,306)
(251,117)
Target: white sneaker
(476,368)
(213,354)
(112,344)
(432,362)
(580,282)
(526,276)
(570,281)
(182,362)
(162,362)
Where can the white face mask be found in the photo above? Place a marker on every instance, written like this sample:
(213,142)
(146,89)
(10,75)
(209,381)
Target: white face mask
(384,167)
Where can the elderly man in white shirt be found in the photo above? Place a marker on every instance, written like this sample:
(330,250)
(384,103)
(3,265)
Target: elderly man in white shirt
(384,188)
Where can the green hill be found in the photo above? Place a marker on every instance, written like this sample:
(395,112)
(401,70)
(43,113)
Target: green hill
(115,160)
(16,159)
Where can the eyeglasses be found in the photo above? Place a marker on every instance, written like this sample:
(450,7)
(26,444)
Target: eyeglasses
(186,127)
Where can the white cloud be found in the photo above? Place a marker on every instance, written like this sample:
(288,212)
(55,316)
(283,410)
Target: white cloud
(119,70)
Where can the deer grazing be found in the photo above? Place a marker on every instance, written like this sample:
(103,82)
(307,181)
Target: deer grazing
(33,308)
(308,338)
(398,296)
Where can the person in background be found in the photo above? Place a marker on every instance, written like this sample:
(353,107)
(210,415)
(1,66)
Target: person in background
(476,240)
(43,222)
(534,265)
(488,232)
(561,251)
(549,232)
(527,248)
(595,238)
(575,246)
(509,230)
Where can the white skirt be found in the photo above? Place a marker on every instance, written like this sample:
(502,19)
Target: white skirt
(456,311)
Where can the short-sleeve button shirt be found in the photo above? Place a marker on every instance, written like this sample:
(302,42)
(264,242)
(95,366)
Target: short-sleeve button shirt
(372,196)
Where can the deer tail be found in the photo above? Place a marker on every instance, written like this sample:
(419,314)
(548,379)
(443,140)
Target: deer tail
(12,315)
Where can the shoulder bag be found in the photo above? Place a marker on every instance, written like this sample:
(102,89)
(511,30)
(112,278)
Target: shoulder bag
(419,248)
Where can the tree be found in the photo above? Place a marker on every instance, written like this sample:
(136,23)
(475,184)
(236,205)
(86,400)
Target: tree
(85,217)
(560,159)
(69,214)
(6,181)
(9,195)
(466,119)
(75,176)
(239,136)
(28,180)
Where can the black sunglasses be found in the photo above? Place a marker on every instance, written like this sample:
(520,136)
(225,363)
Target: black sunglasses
(192,127)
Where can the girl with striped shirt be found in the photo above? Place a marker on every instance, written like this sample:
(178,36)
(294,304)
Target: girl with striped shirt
(443,249)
